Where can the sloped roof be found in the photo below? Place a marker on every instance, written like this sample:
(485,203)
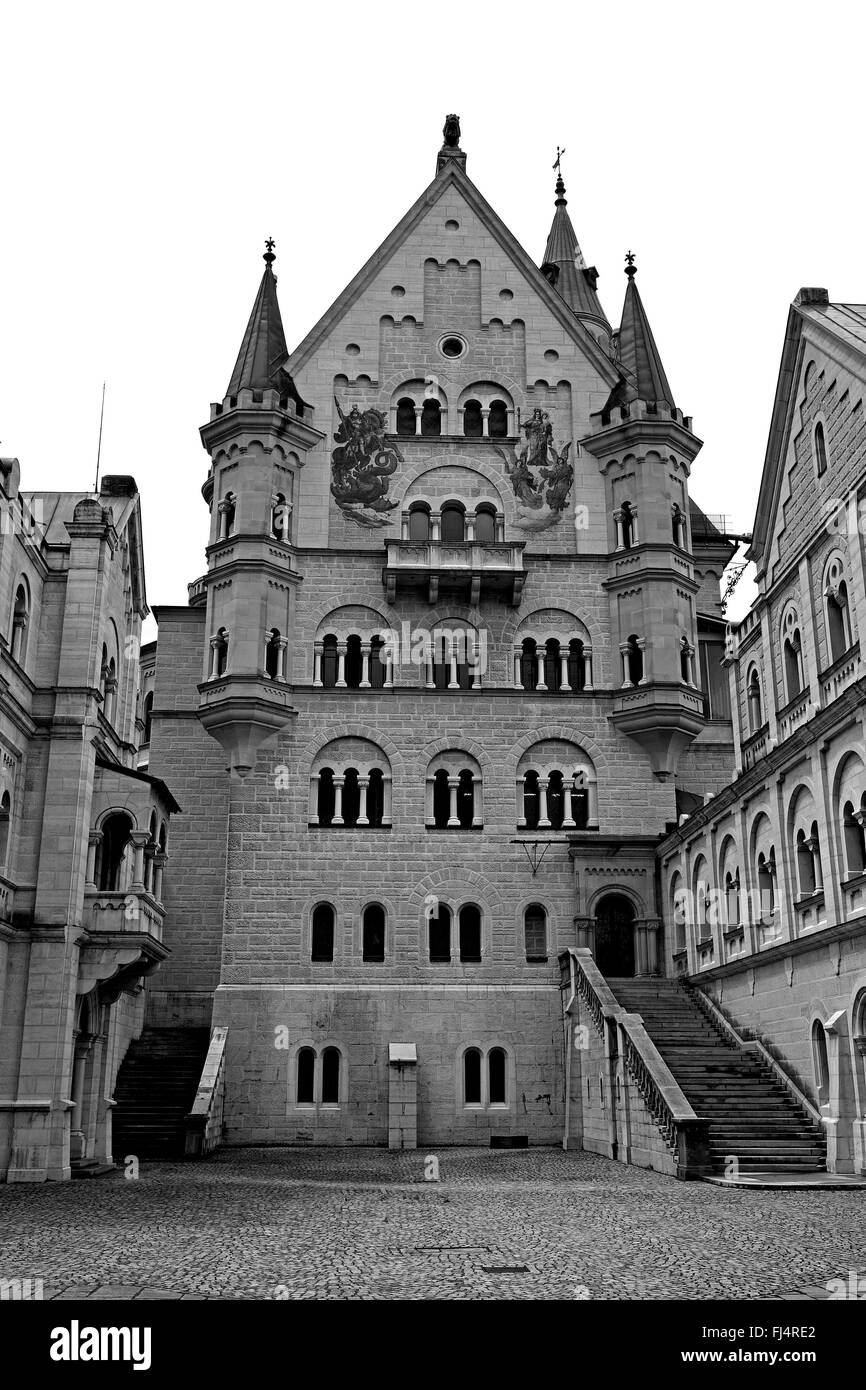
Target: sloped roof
(637,348)
(263,355)
(452,174)
(844,323)
(574,282)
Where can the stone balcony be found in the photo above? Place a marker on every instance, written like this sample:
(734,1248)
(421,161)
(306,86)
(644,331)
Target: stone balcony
(463,569)
(124,917)
(756,746)
(662,717)
(122,939)
(795,713)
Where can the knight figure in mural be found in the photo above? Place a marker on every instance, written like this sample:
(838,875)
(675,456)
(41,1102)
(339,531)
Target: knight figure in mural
(540,475)
(361,466)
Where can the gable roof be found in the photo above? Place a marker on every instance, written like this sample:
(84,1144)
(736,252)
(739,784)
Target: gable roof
(452,174)
(842,325)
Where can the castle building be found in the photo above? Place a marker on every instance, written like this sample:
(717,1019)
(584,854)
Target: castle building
(83,835)
(493,831)
(450,643)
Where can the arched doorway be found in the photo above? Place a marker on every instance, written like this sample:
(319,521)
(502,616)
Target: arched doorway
(614,936)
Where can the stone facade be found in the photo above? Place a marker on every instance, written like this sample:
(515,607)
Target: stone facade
(82,836)
(764,889)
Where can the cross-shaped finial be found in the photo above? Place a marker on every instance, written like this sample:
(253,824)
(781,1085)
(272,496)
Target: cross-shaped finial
(269,256)
(629,255)
(559,154)
(630,267)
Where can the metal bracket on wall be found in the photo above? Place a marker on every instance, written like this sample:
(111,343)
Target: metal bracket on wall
(531,850)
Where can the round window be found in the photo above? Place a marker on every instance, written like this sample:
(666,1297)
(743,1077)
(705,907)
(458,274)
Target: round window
(452,347)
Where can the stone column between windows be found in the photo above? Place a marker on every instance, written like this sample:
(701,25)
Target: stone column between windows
(521,805)
(453,818)
(139,840)
(93,842)
(339,782)
(314,799)
(477,807)
(386,799)
(428,801)
(341,665)
(567,817)
(453,683)
(435,526)
(587,668)
(543,784)
(386,660)
(563,671)
(318,649)
(419,410)
(626,674)
(281,658)
(617,519)
(591,805)
(160,859)
(646,652)
(539,658)
(363,784)
(365,666)
(518,683)
(404,526)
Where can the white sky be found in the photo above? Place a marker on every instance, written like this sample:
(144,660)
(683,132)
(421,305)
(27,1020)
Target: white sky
(148,151)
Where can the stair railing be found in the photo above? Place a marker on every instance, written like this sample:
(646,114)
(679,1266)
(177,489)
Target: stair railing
(684,1134)
(204,1124)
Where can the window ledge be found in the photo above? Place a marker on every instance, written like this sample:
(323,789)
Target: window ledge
(439,960)
(537,960)
(453,828)
(815,899)
(316,825)
(730,932)
(704,942)
(470,960)
(856,881)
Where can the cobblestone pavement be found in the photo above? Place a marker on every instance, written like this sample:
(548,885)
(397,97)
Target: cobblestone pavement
(318,1224)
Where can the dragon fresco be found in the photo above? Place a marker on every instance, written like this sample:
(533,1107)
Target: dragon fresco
(361,466)
(541,477)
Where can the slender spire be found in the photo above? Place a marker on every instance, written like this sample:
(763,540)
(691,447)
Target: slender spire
(564,264)
(638,353)
(263,355)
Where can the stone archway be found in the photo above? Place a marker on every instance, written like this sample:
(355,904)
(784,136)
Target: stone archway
(615,936)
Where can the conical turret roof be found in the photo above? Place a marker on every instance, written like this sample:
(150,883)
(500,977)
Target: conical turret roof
(575,281)
(638,353)
(263,354)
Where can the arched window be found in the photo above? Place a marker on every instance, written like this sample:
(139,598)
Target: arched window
(634,660)
(627,525)
(754,698)
(485,525)
(821,1061)
(306,1076)
(529,665)
(431,418)
(576,664)
(329,661)
(497,420)
(374,933)
(273,652)
(766,887)
(855,840)
(820,450)
(837,610)
(326,799)
(805,866)
(470,933)
(405,417)
(148,716)
(465,798)
(5,823)
(496,1076)
(331,1076)
(439,935)
(555,800)
(552,664)
(472,1076)
(450,659)
(111,854)
(351,796)
(441,799)
(535,932)
(531,800)
(323,933)
(472,421)
(732,898)
(20,621)
(281,514)
(419,523)
(376,796)
(453,522)
(354,663)
(377,665)
(793,655)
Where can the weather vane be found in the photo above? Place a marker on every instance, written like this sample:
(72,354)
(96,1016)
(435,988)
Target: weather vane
(559,154)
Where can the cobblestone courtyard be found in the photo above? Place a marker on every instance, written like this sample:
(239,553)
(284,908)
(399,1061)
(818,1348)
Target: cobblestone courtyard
(540,1224)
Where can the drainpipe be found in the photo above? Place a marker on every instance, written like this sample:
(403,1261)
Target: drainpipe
(569,1028)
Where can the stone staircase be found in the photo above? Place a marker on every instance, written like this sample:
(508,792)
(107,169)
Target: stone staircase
(155,1090)
(751,1116)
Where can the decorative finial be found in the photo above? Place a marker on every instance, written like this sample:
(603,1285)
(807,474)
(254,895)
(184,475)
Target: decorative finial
(631,268)
(269,256)
(560,186)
